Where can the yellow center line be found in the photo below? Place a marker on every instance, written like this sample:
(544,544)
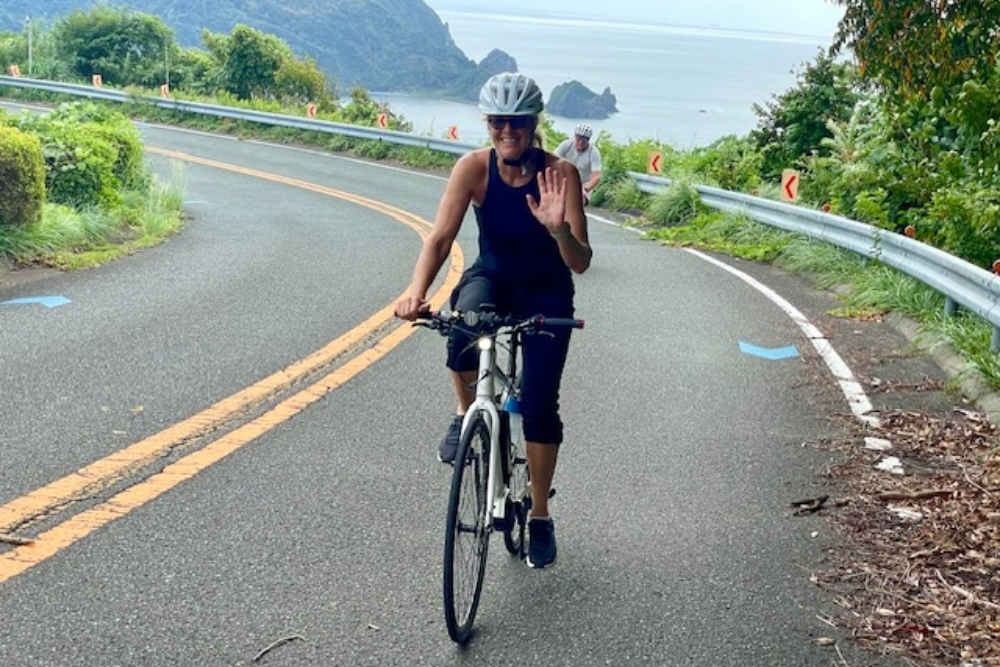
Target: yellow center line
(111,468)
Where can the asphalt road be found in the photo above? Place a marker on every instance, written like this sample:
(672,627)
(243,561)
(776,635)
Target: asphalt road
(319,518)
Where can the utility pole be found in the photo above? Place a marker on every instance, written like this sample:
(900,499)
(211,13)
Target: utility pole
(166,60)
(27,24)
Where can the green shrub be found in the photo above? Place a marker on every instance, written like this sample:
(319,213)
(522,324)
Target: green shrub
(677,205)
(965,223)
(22,178)
(634,156)
(870,207)
(80,168)
(130,165)
(79,164)
(117,130)
(625,195)
(730,163)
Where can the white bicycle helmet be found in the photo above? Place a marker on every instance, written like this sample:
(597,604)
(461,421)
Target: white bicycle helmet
(584,130)
(510,94)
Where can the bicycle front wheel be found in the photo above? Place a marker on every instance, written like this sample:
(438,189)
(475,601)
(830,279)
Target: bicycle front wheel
(467,530)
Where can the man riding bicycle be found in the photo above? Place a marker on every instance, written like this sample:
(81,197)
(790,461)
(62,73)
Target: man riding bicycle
(582,153)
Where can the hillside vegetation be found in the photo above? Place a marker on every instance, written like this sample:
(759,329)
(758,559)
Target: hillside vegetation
(384,45)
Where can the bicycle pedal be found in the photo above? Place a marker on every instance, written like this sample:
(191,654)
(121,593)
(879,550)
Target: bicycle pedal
(504,524)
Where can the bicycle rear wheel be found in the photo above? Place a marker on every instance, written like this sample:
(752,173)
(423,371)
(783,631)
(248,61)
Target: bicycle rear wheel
(467,531)
(519,498)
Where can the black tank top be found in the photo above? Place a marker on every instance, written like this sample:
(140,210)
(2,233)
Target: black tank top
(514,248)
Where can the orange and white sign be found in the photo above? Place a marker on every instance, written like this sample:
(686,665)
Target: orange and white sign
(96,80)
(654,163)
(383,120)
(14,70)
(164,90)
(311,110)
(453,132)
(789,185)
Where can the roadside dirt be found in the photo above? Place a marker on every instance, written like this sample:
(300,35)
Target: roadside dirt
(915,563)
(11,277)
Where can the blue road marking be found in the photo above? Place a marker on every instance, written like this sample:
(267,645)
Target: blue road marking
(769,353)
(47,301)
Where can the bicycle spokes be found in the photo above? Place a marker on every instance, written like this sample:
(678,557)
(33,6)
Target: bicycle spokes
(467,530)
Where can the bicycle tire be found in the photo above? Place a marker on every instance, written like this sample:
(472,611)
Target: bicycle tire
(519,486)
(467,530)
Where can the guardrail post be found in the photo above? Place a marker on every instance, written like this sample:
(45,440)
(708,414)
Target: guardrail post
(995,341)
(950,306)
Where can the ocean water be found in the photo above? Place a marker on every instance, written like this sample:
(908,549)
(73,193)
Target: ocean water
(683,86)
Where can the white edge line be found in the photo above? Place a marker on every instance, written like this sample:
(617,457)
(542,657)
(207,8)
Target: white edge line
(853,392)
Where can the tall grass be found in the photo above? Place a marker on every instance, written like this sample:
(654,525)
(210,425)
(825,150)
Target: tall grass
(69,239)
(678,204)
(731,233)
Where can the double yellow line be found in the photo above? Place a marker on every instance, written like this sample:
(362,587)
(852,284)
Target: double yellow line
(374,337)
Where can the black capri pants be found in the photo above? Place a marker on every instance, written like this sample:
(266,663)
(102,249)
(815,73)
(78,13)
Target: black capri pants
(544,355)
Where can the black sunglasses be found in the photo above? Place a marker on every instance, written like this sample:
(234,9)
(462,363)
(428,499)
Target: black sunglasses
(515,122)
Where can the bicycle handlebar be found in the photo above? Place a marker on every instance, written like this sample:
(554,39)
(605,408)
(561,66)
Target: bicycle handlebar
(488,321)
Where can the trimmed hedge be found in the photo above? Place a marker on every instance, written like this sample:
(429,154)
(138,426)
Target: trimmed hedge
(22,177)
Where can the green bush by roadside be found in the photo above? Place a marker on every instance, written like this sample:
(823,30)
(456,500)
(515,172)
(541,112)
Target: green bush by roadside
(91,154)
(91,199)
(22,177)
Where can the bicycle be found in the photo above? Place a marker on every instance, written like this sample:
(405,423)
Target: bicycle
(490,485)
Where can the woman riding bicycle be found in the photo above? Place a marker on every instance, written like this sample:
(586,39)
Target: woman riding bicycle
(532,234)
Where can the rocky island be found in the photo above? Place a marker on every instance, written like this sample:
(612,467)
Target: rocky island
(575,100)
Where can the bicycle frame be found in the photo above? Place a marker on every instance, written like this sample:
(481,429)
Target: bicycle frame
(490,375)
(479,506)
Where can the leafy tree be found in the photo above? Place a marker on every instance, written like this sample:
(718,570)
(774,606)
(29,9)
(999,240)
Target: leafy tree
(13,50)
(124,47)
(44,62)
(248,61)
(911,46)
(194,70)
(793,125)
(301,81)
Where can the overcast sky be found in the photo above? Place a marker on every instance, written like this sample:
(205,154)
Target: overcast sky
(805,17)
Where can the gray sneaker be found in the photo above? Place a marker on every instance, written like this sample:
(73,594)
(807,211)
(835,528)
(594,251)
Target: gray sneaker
(449,443)
(541,542)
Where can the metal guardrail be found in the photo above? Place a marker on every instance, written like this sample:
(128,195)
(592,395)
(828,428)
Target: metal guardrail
(279,120)
(961,283)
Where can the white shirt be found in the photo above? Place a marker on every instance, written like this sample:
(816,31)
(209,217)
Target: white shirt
(587,161)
